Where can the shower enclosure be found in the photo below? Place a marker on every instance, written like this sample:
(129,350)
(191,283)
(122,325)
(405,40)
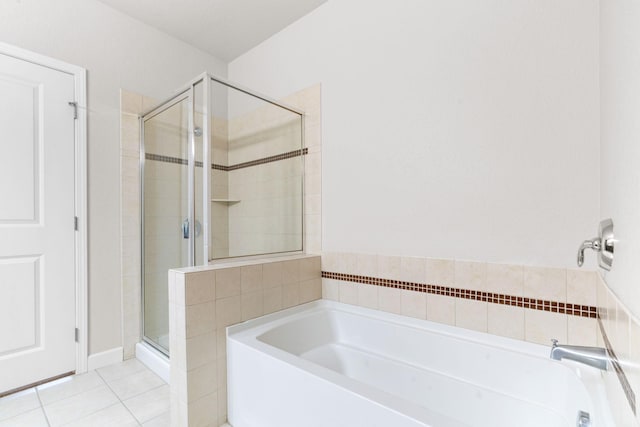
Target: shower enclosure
(222,174)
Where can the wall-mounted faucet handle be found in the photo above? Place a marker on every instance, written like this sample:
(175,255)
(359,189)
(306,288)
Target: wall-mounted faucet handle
(554,342)
(603,245)
(587,244)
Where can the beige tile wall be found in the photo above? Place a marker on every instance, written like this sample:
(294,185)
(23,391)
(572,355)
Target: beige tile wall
(203,302)
(561,285)
(131,105)
(219,189)
(623,331)
(254,225)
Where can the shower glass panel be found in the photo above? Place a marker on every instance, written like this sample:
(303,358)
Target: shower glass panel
(165,212)
(257,177)
(222,176)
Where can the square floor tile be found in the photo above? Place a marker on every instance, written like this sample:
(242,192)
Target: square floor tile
(163,420)
(135,384)
(150,404)
(68,386)
(18,403)
(79,406)
(115,415)
(120,370)
(33,418)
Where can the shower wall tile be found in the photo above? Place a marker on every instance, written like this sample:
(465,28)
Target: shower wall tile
(130,107)
(331,291)
(413,304)
(505,321)
(505,279)
(581,287)
(441,271)
(470,275)
(471,314)
(389,300)
(545,283)
(200,310)
(368,296)
(441,309)
(541,327)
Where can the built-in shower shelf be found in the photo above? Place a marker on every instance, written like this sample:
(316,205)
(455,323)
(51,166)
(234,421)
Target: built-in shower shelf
(226,200)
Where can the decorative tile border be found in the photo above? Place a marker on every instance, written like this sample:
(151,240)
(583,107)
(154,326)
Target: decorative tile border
(531,303)
(615,362)
(180,161)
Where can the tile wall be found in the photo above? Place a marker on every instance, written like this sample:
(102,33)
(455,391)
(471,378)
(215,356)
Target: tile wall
(527,303)
(131,105)
(265,175)
(619,332)
(203,302)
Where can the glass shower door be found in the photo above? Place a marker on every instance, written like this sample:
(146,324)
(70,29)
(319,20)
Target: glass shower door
(166,229)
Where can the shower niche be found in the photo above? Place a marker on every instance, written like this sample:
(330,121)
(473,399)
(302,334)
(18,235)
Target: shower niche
(222,176)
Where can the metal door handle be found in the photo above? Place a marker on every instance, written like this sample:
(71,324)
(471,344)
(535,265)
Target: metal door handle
(185,229)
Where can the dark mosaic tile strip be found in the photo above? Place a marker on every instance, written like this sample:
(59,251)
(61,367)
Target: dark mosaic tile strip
(177,160)
(531,303)
(283,156)
(169,159)
(617,367)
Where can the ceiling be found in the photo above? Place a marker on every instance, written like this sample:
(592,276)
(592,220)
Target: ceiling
(223,28)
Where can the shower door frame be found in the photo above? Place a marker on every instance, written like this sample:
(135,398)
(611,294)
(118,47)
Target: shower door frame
(188,93)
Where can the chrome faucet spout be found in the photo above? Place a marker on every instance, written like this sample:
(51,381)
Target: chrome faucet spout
(592,356)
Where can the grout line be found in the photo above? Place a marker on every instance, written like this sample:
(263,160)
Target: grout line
(158,416)
(120,401)
(46,417)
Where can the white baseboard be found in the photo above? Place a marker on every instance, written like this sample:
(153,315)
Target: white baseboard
(104,358)
(154,360)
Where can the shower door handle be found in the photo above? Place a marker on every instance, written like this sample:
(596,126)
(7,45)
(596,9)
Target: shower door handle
(185,229)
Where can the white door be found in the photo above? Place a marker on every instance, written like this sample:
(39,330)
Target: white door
(37,265)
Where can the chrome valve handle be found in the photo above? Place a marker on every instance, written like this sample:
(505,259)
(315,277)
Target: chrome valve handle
(587,244)
(603,245)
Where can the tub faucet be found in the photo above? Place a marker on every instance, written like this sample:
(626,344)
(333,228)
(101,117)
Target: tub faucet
(592,356)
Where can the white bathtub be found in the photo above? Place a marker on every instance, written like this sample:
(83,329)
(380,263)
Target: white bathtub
(328,364)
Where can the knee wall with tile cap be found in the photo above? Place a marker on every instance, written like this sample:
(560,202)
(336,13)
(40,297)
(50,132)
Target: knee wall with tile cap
(203,301)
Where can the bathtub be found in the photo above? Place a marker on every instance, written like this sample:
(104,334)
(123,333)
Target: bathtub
(328,364)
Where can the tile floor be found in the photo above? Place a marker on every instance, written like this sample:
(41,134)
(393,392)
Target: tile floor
(124,394)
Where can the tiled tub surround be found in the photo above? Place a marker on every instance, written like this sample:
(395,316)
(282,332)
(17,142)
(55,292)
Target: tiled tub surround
(203,301)
(527,303)
(619,332)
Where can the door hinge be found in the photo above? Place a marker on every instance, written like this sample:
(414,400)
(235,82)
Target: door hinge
(75,109)
(75,223)
(77,334)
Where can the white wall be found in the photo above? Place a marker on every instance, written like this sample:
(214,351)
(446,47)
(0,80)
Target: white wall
(450,129)
(620,136)
(118,52)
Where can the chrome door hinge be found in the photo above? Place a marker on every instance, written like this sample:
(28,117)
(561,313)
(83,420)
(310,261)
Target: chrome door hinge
(77,334)
(75,109)
(75,223)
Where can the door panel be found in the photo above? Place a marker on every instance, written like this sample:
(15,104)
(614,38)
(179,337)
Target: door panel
(37,249)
